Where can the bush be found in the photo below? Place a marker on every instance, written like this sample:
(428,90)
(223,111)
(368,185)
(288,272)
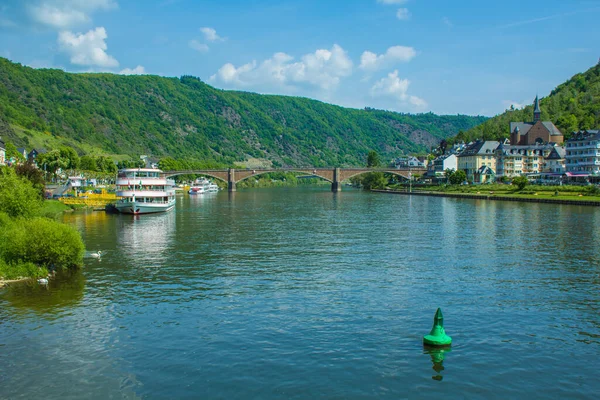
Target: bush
(21,270)
(374,180)
(520,182)
(43,242)
(18,197)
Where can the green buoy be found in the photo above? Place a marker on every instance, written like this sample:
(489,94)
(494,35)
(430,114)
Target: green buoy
(437,336)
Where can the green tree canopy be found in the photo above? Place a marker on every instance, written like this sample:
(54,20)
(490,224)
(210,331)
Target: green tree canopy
(18,196)
(373,160)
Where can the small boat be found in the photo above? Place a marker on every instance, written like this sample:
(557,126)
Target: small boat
(203,185)
(144,191)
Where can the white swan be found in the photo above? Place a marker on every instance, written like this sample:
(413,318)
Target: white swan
(43,281)
(97,255)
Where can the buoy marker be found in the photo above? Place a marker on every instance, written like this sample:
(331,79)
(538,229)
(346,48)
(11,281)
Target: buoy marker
(437,336)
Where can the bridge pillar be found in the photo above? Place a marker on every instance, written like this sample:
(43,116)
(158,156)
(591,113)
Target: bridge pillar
(231,180)
(336,185)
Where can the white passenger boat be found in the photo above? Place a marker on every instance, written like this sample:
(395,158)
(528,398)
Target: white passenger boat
(143,191)
(203,185)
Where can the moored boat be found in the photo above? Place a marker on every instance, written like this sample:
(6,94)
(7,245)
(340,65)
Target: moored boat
(203,185)
(144,191)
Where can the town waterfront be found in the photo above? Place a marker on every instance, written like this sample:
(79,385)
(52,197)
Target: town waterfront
(304,293)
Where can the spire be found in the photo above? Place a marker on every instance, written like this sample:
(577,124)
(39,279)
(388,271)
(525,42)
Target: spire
(537,113)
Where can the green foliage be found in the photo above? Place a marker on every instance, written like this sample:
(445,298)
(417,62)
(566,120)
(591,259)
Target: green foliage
(88,163)
(456,177)
(12,153)
(18,196)
(187,119)
(572,106)
(520,182)
(16,270)
(374,180)
(33,174)
(373,159)
(43,242)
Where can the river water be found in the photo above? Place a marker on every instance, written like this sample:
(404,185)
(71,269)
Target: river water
(302,293)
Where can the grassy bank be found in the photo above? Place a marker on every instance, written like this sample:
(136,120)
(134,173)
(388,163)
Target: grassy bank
(558,193)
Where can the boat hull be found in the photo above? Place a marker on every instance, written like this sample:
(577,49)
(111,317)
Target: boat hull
(135,207)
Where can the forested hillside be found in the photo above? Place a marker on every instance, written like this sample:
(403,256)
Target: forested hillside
(572,106)
(185,118)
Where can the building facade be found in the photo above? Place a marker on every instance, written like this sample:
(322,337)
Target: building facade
(536,132)
(518,160)
(442,163)
(476,155)
(583,153)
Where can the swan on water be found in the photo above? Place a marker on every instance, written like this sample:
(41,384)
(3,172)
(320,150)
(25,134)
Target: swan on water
(97,255)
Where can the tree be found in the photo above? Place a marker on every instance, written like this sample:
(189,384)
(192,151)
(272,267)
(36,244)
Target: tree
(33,174)
(520,182)
(70,157)
(88,163)
(18,196)
(52,161)
(373,159)
(374,180)
(12,153)
(456,177)
(443,146)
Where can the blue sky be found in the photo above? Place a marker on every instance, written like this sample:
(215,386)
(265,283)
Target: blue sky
(467,57)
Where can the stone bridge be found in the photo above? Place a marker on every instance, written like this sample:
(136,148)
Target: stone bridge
(333,175)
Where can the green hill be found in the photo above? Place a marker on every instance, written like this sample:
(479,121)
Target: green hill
(185,118)
(572,106)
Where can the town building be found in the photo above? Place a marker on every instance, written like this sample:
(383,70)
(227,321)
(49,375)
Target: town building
(443,163)
(34,153)
(555,161)
(476,155)
(23,152)
(515,160)
(408,162)
(583,153)
(536,132)
(2,152)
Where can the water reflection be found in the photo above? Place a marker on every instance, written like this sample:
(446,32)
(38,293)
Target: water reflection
(437,355)
(64,290)
(145,238)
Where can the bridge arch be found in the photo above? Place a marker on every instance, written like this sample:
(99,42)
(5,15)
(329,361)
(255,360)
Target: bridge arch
(220,175)
(352,174)
(263,172)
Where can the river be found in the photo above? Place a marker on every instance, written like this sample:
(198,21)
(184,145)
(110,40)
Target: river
(302,293)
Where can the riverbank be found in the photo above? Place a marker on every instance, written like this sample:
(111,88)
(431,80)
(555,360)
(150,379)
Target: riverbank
(4,282)
(501,197)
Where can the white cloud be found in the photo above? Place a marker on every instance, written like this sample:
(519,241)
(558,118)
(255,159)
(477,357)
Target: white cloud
(210,35)
(403,14)
(62,14)
(139,70)
(322,69)
(87,48)
(391,1)
(395,88)
(371,61)
(196,45)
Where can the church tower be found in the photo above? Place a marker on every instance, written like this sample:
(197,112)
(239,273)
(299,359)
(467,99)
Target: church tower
(537,113)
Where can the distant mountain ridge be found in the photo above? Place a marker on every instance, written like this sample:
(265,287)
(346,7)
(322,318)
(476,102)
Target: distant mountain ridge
(186,118)
(573,105)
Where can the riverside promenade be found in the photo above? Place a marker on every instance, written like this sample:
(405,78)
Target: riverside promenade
(494,197)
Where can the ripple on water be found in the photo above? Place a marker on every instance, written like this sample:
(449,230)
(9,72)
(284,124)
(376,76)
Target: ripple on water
(303,293)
